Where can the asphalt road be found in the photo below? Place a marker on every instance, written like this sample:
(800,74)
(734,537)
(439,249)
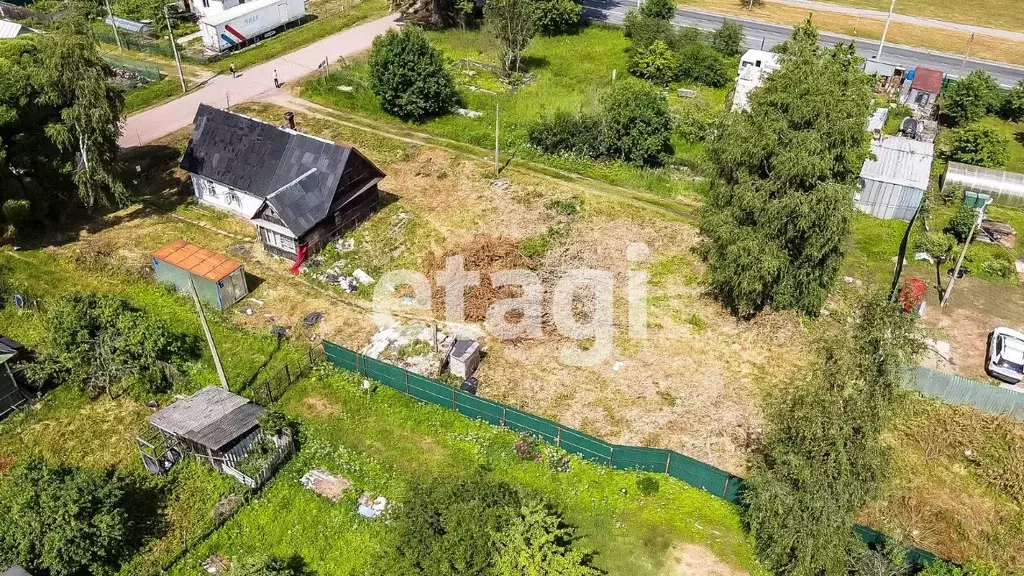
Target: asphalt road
(765,34)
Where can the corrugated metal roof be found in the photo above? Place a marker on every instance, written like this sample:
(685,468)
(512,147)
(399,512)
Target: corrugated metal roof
(927,80)
(199,261)
(16,571)
(212,417)
(878,119)
(898,160)
(9,29)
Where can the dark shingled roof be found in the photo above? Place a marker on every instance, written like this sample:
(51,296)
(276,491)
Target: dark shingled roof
(212,417)
(296,173)
(15,571)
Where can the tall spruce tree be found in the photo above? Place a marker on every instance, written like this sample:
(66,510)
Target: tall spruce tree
(783,180)
(822,458)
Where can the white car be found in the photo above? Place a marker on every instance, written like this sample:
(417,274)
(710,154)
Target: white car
(1006,355)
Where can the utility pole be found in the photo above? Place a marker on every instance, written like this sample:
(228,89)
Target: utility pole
(497,110)
(750,5)
(209,336)
(174,48)
(113,26)
(885,31)
(963,253)
(967,55)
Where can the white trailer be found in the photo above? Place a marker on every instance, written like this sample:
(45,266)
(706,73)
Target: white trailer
(248,23)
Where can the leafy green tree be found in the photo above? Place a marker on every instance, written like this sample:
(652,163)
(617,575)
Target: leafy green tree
(940,248)
(979,146)
(447,527)
(538,543)
(1013,105)
(728,39)
(971,98)
(59,122)
(66,521)
(659,9)
(95,341)
(638,126)
(655,63)
(822,458)
(701,63)
(696,119)
(512,24)
(782,181)
(970,568)
(959,226)
(409,77)
(644,30)
(558,16)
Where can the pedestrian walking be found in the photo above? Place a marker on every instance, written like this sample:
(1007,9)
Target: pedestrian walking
(277,83)
(232,68)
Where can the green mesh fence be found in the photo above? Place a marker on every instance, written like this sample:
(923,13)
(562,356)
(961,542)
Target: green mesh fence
(693,472)
(143,69)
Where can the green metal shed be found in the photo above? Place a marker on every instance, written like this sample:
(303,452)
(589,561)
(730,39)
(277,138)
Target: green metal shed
(219,280)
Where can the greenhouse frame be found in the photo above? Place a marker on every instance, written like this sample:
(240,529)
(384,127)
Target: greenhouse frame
(1005,188)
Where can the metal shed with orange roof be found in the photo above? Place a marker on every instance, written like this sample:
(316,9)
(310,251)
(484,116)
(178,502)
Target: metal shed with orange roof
(219,280)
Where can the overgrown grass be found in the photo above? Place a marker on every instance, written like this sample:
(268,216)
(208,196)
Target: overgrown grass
(562,80)
(152,94)
(385,441)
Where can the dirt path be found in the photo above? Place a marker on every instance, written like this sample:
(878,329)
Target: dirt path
(160,121)
(915,20)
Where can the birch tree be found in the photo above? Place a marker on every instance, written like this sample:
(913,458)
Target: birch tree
(512,24)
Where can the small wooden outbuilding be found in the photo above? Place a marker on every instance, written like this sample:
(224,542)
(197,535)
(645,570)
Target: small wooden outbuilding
(12,395)
(217,426)
(219,280)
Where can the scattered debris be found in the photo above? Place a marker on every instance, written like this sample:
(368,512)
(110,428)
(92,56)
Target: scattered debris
(468,113)
(686,93)
(243,250)
(941,348)
(247,312)
(370,507)
(617,366)
(279,331)
(924,256)
(346,244)
(256,300)
(470,385)
(411,346)
(217,564)
(998,233)
(326,484)
(312,319)
(226,507)
(500,184)
(344,88)
(362,277)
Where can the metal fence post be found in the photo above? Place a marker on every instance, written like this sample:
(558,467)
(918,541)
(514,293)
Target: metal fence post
(668,462)
(725,489)
(407,382)
(504,420)
(558,438)
(611,456)
(453,398)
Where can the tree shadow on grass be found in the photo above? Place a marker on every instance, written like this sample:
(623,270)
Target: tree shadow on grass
(144,499)
(534,63)
(1019,137)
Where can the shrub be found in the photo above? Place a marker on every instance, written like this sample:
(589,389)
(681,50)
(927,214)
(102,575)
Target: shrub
(274,422)
(978,145)
(447,526)
(566,134)
(1001,266)
(655,63)
(660,9)
(728,39)
(558,16)
(63,520)
(638,126)
(538,542)
(951,193)
(16,211)
(528,448)
(1013,104)
(701,63)
(959,226)
(95,341)
(695,119)
(647,485)
(971,98)
(409,77)
(644,31)
(559,461)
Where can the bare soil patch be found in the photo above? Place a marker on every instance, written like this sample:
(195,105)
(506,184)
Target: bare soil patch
(696,560)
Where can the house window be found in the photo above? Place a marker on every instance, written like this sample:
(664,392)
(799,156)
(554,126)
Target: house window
(278,240)
(206,3)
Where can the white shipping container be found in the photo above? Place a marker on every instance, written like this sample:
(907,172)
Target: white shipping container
(248,22)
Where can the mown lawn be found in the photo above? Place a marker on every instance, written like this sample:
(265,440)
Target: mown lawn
(568,73)
(384,441)
(152,94)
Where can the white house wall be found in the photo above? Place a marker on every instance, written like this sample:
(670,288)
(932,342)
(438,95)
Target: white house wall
(225,198)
